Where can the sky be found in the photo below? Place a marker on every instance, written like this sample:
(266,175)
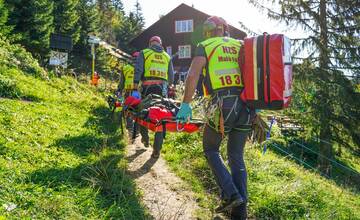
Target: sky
(232,11)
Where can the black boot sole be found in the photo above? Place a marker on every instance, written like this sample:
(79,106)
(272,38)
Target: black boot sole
(234,203)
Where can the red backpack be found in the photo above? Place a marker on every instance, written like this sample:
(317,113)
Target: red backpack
(267,71)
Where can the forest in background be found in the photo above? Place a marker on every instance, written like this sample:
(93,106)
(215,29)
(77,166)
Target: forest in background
(31,22)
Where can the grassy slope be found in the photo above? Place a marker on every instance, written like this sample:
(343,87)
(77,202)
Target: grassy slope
(60,155)
(278,188)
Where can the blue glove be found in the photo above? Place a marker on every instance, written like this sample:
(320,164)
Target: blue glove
(185,113)
(136,94)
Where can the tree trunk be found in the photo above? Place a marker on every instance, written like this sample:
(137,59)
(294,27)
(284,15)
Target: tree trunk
(324,41)
(326,149)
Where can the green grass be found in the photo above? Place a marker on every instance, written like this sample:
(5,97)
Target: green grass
(278,187)
(61,155)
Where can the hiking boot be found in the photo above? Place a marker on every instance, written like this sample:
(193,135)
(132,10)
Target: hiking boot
(155,154)
(227,205)
(131,137)
(146,143)
(239,212)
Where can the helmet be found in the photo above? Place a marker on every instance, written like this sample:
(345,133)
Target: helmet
(215,23)
(155,38)
(135,54)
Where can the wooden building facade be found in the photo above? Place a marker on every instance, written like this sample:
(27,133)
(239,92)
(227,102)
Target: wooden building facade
(180,31)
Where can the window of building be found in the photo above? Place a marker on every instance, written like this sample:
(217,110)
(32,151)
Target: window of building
(169,50)
(184,26)
(184,51)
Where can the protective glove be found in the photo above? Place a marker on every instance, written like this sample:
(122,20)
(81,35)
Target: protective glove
(136,94)
(185,113)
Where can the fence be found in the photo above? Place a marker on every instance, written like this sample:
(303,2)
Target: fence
(307,156)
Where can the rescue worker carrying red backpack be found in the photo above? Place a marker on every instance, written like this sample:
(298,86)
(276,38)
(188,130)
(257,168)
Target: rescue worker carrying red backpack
(217,59)
(155,71)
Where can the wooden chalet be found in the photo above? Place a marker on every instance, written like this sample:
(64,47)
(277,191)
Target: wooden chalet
(180,31)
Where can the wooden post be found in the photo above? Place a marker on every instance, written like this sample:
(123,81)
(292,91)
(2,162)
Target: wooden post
(93,61)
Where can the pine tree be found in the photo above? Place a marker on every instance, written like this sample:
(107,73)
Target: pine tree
(108,16)
(33,23)
(131,27)
(89,22)
(325,99)
(14,18)
(139,21)
(66,18)
(118,5)
(126,33)
(4,28)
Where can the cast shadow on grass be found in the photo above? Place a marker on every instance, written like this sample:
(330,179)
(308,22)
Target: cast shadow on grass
(114,192)
(104,134)
(104,121)
(31,98)
(86,144)
(23,98)
(82,145)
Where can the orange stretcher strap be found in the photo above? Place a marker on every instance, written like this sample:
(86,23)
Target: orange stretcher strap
(167,125)
(152,82)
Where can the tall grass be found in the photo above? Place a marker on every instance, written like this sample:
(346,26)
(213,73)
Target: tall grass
(61,155)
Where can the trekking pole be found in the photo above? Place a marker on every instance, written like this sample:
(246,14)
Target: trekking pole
(268,133)
(121,122)
(134,130)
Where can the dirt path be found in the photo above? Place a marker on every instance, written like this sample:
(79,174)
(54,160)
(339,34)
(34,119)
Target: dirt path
(164,193)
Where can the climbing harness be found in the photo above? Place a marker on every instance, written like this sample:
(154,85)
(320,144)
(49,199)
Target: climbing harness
(215,117)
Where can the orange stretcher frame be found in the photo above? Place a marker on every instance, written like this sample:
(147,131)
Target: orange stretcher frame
(168,124)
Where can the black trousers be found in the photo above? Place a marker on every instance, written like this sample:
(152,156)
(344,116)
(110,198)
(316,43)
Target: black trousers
(159,138)
(232,182)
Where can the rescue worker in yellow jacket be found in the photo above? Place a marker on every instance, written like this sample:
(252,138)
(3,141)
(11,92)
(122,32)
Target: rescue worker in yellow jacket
(127,86)
(155,71)
(217,59)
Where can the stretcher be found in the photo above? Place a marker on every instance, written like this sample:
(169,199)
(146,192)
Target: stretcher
(158,115)
(167,124)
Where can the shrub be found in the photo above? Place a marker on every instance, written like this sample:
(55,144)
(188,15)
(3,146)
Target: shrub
(8,88)
(14,55)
